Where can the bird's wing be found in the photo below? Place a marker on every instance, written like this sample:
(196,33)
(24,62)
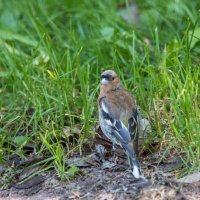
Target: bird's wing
(133,124)
(120,131)
(134,129)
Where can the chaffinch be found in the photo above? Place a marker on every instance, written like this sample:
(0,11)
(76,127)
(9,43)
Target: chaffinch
(119,117)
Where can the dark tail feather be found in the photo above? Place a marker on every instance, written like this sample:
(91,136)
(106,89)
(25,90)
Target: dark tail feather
(135,166)
(134,163)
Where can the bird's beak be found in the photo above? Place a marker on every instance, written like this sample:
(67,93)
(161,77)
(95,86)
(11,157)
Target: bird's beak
(104,81)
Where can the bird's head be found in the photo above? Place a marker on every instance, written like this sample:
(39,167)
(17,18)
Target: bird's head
(109,77)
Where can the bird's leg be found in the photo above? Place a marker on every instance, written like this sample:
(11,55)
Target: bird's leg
(114,157)
(101,151)
(113,149)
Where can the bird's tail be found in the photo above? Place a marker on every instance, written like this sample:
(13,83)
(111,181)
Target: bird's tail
(133,161)
(135,166)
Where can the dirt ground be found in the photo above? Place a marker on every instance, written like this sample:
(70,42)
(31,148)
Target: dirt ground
(103,184)
(103,176)
(105,180)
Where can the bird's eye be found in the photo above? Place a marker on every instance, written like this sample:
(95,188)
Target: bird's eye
(113,78)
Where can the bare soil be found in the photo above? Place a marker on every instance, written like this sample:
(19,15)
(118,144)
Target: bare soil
(105,176)
(97,183)
(104,183)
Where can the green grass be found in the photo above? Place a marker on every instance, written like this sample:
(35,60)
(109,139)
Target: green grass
(51,56)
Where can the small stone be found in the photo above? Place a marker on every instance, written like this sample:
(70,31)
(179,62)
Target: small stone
(108,165)
(191,178)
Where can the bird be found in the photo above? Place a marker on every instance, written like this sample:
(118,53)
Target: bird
(119,118)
